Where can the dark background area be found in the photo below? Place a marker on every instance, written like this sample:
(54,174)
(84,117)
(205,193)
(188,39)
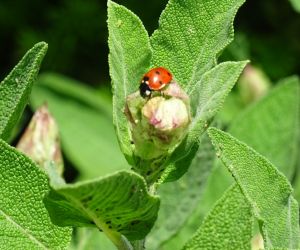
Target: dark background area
(267,33)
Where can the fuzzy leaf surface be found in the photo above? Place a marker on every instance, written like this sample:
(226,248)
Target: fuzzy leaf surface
(118,203)
(267,190)
(129,59)
(84,118)
(227,226)
(190,36)
(180,198)
(16,87)
(271,123)
(266,125)
(208,97)
(25,223)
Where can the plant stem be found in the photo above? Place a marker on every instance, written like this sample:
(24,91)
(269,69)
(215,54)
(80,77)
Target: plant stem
(139,244)
(119,240)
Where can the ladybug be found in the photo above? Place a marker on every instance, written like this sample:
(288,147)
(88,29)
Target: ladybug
(155,79)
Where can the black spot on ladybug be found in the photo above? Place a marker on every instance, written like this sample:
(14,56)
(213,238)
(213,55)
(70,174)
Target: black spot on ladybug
(157,72)
(160,82)
(145,78)
(169,74)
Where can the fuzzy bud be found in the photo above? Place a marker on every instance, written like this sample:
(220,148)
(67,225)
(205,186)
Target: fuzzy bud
(158,123)
(253,84)
(40,141)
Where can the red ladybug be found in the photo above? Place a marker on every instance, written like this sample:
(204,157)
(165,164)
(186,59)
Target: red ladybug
(155,79)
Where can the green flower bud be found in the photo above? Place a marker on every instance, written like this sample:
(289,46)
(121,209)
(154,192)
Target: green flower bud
(40,141)
(159,123)
(253,84)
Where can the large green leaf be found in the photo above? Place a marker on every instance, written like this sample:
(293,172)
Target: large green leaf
(16,87)
(227,226)
(272,123)
(83,118)
(190,36)
(267,190)
(180,198)
(129,59)
(266,126)
(208,97)
(25,223)
(116,204)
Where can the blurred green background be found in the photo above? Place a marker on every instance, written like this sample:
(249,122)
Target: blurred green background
(267,33)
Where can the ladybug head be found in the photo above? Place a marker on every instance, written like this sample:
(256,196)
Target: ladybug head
(145,90)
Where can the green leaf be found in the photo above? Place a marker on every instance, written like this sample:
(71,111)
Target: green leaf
(129,59)
(266,189)
(116,204)
(227,226)
(180,198)
(190,36)
(83,118)
(265,126)
(25,223)
(74,89)
(271,123)
(208,96)
(16,87)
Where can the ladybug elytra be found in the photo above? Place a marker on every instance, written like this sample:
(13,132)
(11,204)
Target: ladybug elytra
(155,79)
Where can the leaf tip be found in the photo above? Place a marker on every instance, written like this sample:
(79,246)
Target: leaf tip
(42,46)
(212,131)
(111,3)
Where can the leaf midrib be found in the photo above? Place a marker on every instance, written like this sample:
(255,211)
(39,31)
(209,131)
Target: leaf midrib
(99,223)
(23,230)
